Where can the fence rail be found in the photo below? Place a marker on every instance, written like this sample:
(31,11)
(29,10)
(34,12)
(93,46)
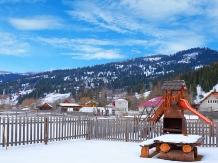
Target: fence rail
(16,131)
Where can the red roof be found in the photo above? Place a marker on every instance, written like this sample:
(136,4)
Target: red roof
(152,102)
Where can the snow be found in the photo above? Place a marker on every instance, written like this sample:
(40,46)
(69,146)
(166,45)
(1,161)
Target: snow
(188,116)
(52,97)
(187,57)
(69,104)
(92,151)
(173,138)
(144,95)
(152,58)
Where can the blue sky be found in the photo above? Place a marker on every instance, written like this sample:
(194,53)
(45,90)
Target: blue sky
(44,35)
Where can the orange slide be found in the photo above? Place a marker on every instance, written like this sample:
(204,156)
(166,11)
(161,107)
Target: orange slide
(184,103)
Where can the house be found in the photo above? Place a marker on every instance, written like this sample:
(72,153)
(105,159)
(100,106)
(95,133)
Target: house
(153,103)
(209,103)
(96,110)
(45,106)
(67,106)
(120,105)
(90,104)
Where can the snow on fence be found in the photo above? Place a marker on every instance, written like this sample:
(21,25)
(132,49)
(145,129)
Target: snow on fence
(30,130)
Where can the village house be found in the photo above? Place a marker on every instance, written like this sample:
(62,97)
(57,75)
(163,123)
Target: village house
(120,105)
(154,103)
(67,106)
(209,103)
(45,106)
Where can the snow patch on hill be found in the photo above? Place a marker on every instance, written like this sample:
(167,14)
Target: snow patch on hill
(55,97)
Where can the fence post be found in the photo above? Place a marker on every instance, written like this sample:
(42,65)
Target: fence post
(46,131)
(88,132)
(216,133)
(5,139)
(127,132)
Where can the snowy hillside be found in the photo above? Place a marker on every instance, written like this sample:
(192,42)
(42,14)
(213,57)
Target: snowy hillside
(55,97)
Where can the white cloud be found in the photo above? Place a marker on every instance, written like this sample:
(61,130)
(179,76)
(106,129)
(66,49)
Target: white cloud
(85,49)
(11,45)
(36,23)
(162,20)
(74,43)
(101,54)
(178,43)
(104,16)
(135,15)
(163,9)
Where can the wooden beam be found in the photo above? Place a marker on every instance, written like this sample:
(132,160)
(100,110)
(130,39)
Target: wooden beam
(177,155)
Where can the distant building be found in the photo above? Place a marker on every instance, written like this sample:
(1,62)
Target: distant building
(209,103)
(96,110)
(120,105)
(67,106)
(146,107)
(45,106)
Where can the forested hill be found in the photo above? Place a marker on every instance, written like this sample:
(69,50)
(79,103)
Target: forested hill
(206,77)
(133,75)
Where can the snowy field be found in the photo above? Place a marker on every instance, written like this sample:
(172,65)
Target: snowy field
(89,151)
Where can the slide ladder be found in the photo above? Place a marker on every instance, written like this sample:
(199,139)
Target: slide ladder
(154,115)
(185,104)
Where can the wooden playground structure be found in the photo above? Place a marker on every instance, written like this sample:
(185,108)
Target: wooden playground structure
(172,109)
(173,102)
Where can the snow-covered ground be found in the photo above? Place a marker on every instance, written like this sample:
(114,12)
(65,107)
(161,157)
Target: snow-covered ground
(89,151)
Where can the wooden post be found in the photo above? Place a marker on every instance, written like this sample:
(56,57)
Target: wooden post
(195,152)
(46,131)
(5,140)
(144,152)
(88,130)
(127,132)
(157,148)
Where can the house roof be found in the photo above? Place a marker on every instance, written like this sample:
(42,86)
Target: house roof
(173,85)
(120,99)
(89,102)
(47,104)
(152,102)
(215,94)
(110,105)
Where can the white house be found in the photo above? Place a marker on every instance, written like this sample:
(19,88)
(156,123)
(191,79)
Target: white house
(94,110)
(120,105)
(209,103)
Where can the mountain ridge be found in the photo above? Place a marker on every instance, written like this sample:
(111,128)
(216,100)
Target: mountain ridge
(133,75)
